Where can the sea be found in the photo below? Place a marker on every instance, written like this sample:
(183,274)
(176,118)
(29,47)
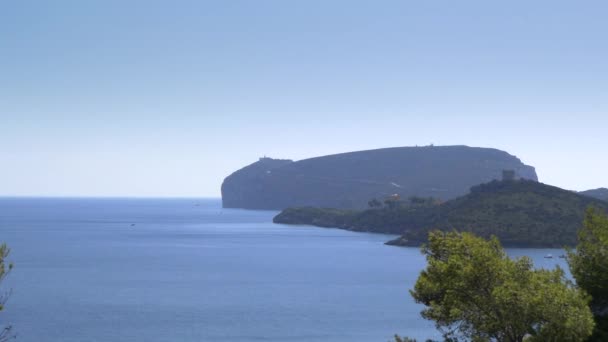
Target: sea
(158,270)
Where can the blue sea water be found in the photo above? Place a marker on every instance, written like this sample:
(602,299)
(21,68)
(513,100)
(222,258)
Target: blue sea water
(189,270)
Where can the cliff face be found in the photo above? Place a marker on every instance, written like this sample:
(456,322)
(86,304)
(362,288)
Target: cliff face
(350,180)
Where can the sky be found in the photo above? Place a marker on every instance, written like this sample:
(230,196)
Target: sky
(166,98)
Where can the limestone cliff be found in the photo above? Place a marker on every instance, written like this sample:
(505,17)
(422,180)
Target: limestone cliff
(350,180)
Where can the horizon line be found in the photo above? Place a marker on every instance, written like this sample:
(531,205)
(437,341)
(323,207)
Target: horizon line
(105,197)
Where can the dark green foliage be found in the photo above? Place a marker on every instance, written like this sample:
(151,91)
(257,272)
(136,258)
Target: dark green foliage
(374,203)
(350,180)
(520,213)
(392,203)
(391,219)
(418,202)
(474,291)
(5,268)
(407,339)
(404,339)
(589,266)
(320,217)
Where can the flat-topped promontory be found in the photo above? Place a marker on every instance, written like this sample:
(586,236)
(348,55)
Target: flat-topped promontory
(350,180)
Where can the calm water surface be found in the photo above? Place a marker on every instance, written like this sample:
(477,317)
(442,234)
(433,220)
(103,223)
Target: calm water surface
(189,270)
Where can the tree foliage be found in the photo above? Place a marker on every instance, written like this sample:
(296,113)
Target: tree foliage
(403,339)
(589,266)
(5,268)
(474,291)
(520,213)
(374,203)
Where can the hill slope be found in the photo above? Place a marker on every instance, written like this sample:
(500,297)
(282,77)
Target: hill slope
(520,213)
(350,180)
(601,193)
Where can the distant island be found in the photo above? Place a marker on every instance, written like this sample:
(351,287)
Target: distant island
(521,213)
(350,180)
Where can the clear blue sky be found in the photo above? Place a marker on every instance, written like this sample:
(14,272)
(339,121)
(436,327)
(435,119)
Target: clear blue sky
(166,98)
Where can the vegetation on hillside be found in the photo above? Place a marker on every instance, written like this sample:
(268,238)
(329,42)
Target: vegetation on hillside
(473,291)
(5,268)
(520,213)
(589,266)
(350,180)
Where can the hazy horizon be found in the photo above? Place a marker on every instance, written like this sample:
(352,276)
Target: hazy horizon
(165,99)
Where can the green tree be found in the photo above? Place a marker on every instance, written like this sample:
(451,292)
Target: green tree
(403,339)
(407,339)
(374,203)
(393,202)
(589,266)
(474,291)
(5,268)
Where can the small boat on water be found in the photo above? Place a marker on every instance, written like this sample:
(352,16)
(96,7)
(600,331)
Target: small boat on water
(562,256)
(549,256)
